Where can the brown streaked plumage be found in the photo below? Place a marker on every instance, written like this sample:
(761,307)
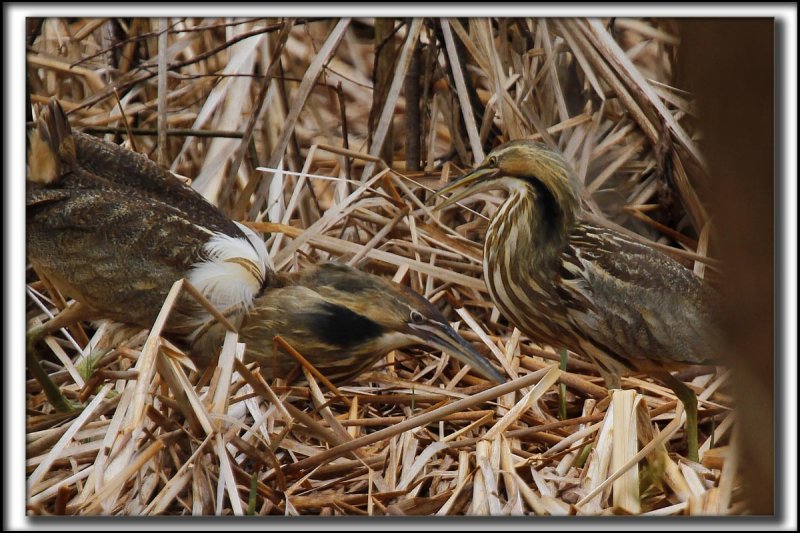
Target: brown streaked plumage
(108,236)
(343,320)
(116,236)
(131,169)
(570,283)
(115,232)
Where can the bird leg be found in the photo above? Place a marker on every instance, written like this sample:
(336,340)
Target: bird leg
(689,400)
(611,380)
(68,316)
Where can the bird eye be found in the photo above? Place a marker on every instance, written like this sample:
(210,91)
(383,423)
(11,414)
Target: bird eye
(493,161)
(417,318)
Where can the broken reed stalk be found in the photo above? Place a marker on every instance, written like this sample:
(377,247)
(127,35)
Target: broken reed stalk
(508,78)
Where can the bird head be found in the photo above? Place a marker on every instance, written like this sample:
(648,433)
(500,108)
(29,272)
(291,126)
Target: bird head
(518,164)
(411,319)
(344,318)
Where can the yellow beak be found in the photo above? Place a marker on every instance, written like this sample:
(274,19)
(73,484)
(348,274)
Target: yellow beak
(468,184)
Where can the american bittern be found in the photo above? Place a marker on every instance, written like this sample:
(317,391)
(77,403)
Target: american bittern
(114,231)
(343,320)
(569,283)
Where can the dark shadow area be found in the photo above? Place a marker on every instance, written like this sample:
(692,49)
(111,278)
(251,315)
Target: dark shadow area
(729,65)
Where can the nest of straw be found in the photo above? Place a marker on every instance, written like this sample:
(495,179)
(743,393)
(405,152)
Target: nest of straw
(355,121)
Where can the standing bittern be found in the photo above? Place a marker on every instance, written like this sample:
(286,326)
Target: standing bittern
(566,282)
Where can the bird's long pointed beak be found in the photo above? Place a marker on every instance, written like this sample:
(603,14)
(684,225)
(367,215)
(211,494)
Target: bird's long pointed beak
(442,337)
(464,186)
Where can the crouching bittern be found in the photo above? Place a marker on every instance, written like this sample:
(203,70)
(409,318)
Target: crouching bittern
(114,231)
(569,283)
(343,320)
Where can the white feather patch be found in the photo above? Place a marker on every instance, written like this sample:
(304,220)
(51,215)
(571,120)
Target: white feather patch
(233,270)
(258,244)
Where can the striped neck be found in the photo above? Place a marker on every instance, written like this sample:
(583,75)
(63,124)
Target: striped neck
(531,228)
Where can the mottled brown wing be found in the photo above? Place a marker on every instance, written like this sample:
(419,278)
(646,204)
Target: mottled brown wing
(37,196)
(117,251)
(58,155)
(645,305)
(125,167)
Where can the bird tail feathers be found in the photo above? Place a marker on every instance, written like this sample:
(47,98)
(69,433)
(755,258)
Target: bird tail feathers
(51,149)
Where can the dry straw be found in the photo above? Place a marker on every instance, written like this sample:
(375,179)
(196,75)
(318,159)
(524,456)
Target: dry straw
(418,434)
